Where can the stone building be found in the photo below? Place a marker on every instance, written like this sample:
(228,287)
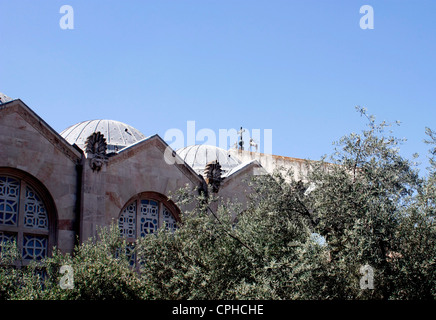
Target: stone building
(59,187)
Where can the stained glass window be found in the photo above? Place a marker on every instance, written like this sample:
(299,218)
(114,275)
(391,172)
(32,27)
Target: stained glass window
(127,221)
(168,218)
(35,215)
(7,237)
(145,216)
(23,218)
(149,216)
(34,247)
(9,199)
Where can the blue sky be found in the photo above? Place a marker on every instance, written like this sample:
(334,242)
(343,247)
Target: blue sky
(296,67)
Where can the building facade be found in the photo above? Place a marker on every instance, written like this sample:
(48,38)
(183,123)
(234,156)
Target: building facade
(57,188)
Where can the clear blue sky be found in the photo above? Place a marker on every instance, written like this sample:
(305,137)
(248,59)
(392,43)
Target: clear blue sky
(296,67)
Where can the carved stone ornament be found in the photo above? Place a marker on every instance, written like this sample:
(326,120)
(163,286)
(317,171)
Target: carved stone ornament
(212,174)
(96,147)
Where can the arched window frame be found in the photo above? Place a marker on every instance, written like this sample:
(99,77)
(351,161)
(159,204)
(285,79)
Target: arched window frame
(162,200)
(25,179)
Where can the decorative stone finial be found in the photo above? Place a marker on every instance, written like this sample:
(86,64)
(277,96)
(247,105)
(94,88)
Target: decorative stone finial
(96,147)
(212,174)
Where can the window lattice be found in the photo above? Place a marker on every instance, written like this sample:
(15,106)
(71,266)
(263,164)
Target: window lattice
(34,247)
(35,215)
(149,214)
(144,216)
(170,222)
(9,199)
(7,237)
(127,221)
(23,218)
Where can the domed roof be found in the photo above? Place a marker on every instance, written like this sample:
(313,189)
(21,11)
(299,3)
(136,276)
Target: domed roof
(197,156)
(118,134)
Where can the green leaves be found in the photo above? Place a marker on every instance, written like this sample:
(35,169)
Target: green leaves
(365,205)
(100,269)
(292,239)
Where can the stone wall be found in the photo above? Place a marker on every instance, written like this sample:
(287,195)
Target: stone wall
(273,162)
(28,144)
(134,170)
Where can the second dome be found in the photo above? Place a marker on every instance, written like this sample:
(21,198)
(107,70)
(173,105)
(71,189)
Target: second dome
(197,156)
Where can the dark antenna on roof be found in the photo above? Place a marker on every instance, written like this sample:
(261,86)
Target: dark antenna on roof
(241,141)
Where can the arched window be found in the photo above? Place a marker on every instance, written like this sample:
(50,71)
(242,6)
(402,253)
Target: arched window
(24,215)
(145,214)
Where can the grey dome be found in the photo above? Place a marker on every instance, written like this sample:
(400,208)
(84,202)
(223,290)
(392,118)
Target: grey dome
(118,134)
(197,156)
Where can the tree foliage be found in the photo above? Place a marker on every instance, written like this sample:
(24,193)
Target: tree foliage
(365,205)
(101,271)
